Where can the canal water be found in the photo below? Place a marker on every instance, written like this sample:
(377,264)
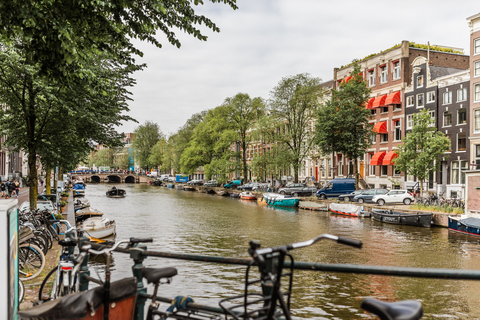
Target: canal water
(196,223)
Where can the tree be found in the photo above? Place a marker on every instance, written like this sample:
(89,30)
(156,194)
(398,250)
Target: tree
(146,136)
(155,159)
(343,121)
(422,148)
(293,105)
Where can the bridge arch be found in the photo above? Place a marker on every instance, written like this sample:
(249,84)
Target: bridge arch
(129,179)
(95,179)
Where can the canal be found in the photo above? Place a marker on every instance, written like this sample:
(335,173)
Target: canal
(197,223)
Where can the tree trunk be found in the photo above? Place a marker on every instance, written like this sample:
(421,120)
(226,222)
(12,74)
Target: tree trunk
(355,171)
(32,176)
(421,188)
(48,178)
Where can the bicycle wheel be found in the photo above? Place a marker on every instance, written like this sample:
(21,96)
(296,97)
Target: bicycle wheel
(48,286)
(21,291)
(31,261)
(60,227)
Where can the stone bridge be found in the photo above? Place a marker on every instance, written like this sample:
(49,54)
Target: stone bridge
(111,177)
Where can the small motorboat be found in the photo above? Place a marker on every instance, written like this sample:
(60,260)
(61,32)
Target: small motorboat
(398,217)
(348,209)
(247,195)
(116,193)
(98,227)
(83,214)
(464,224)
(78,188)
(281,200)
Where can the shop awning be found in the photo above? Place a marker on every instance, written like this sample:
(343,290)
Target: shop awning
(387,160)
(379,101)
(393,98)
(380,127)
(370,103)
(377,159)
(346,79)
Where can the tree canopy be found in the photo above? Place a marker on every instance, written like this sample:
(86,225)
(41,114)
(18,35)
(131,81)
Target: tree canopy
(146,136)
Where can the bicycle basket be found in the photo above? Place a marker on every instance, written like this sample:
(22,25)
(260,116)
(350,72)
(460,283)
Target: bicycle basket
(260,300)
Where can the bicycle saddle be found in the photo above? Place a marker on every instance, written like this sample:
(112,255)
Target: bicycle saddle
(153,275)
(401,310)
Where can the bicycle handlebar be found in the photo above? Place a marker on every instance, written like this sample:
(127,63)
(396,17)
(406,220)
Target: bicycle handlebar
(342,240)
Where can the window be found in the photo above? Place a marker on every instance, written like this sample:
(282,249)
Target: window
(373,111)
(447,97)
(430,96)
(420,100)
(419,81)
(373,138)
(371,78)
(447,118)
(476,44)
(329,166)
(432,115)
(371,168)
(397,130)
(385,109)
(410,121)
(384,137)
(462,141)
(477,92)
(476,67)
(340,165)
(397,107)
(449,137)
(477,155)
(476,121)
(383,74)
(384,170)
(458,171)
(462,94)
(410,101)
(396,70)
(462,116)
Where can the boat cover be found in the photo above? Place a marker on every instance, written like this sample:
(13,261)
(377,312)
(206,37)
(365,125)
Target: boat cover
(471,222)
(77,305)
(346,207)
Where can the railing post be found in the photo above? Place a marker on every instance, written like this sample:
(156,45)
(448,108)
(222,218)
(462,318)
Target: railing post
(136,253)
(84,271)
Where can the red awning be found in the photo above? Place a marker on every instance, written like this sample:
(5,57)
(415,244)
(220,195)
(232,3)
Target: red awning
(387,160)
(393,98)
(380,127)
(377,158)
(379,101)
(370,103)
(347,79)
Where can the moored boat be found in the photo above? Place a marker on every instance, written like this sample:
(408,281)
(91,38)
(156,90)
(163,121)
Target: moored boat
(223,193)
(98,227)
(116,193)
(84,214)
(404,218)
(348,209)
(464,224)
(188,188)
(247,195)
(276,199)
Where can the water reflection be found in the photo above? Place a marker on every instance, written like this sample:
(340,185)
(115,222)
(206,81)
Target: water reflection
(191,222)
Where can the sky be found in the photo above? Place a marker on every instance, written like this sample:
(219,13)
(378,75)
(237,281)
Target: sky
(264,41)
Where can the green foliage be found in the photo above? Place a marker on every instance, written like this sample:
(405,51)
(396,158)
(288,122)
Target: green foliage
(156,154)
(422,148)
(146,136)
(292,107)
(343,121)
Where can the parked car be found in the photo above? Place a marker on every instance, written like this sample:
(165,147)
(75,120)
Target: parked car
(233,184)
(394,196)
(368,195)
(261,187)
(298,189)
(212,183)
(249,186)
(41,205)
(351,195)
(195,183)
(336,187)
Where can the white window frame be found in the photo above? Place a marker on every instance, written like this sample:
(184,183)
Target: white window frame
(430,96)
(458,116)
(409,121)
(458,136)
(371,168)
(476,46)
(432,115)
(420,81)
(340,165)
(476,95)
(461,94)
(397,129)
(476,121)
(383,74)
(410,101)
(420,100)
(444,114)
(476,68)
(447,97)
(396,70)
(371,78)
